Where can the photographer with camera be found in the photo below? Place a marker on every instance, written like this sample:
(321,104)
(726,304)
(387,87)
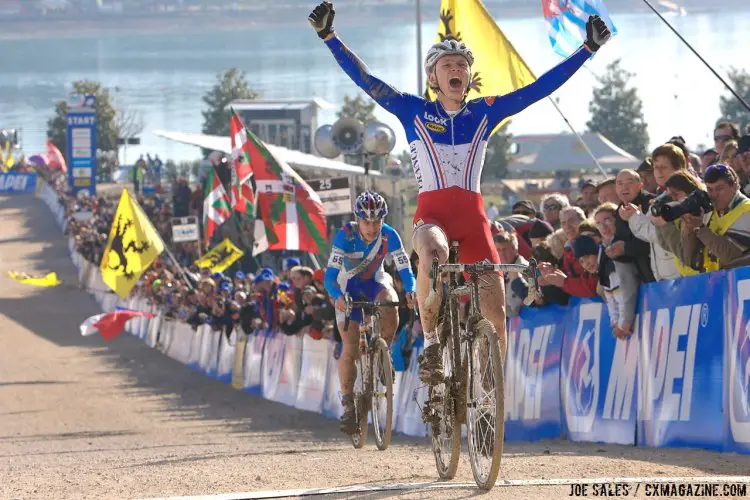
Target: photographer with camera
(717,224)
(680,188)
(666,160)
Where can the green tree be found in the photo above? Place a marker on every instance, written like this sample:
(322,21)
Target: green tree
(497,158)
(617,111)
(732,109)
(357,107)
(230,85)
(106,117)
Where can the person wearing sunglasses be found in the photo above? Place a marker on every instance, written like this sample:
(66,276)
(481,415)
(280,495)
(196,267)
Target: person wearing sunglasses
(723,133)
(724,231)
(551,206)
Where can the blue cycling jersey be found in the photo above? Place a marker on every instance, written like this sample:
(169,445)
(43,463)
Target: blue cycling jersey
(447,149)
(352,258)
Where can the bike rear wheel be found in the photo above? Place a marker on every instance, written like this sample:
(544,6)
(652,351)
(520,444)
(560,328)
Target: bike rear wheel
(485,404)
(359,438)
(382,394)
(446,428)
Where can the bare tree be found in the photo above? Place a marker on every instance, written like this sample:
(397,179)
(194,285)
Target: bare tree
(128,122)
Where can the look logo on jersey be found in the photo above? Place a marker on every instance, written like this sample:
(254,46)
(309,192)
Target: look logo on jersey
(435,123)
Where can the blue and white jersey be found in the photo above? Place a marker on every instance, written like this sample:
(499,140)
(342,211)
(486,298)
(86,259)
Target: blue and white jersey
(448,149)
(352,258)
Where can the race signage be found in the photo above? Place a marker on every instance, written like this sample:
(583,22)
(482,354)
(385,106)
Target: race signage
(185,229)
(335,194)
(81,135)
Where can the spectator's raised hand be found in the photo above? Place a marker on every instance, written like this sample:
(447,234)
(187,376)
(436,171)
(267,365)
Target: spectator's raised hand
(553,278)
(615,250)
(628,211)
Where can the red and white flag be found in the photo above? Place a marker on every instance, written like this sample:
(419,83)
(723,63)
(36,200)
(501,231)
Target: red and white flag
(110,325)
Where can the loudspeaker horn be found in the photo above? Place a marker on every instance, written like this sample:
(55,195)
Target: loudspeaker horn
(347,133)
(324,143)
(379,138)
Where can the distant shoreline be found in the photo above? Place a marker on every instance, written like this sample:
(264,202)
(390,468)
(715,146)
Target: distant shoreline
(110,25)
(35,29)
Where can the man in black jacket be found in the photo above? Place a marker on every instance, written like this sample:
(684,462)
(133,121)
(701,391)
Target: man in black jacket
(625,246)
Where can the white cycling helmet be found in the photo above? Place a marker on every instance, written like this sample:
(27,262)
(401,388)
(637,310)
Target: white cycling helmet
(446,48)
(370,206)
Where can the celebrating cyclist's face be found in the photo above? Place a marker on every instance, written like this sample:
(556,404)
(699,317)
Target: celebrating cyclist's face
(452,76)
(370,229)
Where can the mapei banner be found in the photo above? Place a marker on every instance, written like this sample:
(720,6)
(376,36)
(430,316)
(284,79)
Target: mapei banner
(598,377)
(532,374)
(737,361)
(681,363)
(17,183)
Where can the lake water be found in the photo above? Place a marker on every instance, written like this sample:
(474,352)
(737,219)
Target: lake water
(165,76)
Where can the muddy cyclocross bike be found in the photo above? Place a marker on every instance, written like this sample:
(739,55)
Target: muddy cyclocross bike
(373,389)
(472,390)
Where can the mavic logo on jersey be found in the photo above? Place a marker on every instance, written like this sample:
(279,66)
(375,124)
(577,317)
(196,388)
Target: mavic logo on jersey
(668,351)
(435,119)
(739,367)
(435,127)
(524,373)
(618,400)
(581,383)
(415,165)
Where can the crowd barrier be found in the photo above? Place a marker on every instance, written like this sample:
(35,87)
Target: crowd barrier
(18,183)
(681,380)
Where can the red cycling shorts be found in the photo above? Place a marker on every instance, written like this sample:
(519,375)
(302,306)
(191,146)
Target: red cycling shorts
(461,216)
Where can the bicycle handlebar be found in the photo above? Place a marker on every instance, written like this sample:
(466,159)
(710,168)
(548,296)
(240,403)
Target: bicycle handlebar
(531,271)
(350,305)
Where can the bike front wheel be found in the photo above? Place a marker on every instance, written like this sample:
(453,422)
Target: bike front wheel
(445,425)
(485,404)
(382,394)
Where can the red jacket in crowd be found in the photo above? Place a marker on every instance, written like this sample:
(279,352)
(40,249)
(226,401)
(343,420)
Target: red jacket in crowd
(579,282)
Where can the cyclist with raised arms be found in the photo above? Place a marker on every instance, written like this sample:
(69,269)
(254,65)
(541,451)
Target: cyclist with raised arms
(356,267)
(448,140)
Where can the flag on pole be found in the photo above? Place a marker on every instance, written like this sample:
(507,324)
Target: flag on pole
(216,207)
(132,246)
(243,197)
(220,257)
(566,22)
(110,325)
(498,69)
(291,211)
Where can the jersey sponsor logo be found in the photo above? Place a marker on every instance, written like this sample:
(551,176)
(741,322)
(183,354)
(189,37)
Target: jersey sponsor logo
(489,100)
(581,384)
(739,367)
(415,166)
(667,375)
(435,127)
(524,373)
(435,119)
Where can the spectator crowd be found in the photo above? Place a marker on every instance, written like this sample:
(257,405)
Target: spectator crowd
(291,300)
(677,214)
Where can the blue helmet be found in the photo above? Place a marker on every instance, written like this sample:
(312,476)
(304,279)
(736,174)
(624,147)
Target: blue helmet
(370,206)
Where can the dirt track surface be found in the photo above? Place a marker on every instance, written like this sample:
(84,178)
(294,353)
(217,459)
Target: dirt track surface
(81,418)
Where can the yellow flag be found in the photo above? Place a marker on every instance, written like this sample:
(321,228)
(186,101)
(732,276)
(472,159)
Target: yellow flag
(132,246)
(220,257)
(45,281)
(498,69)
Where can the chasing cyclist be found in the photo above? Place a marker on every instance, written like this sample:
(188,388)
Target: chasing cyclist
(448,140)
(356,267)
